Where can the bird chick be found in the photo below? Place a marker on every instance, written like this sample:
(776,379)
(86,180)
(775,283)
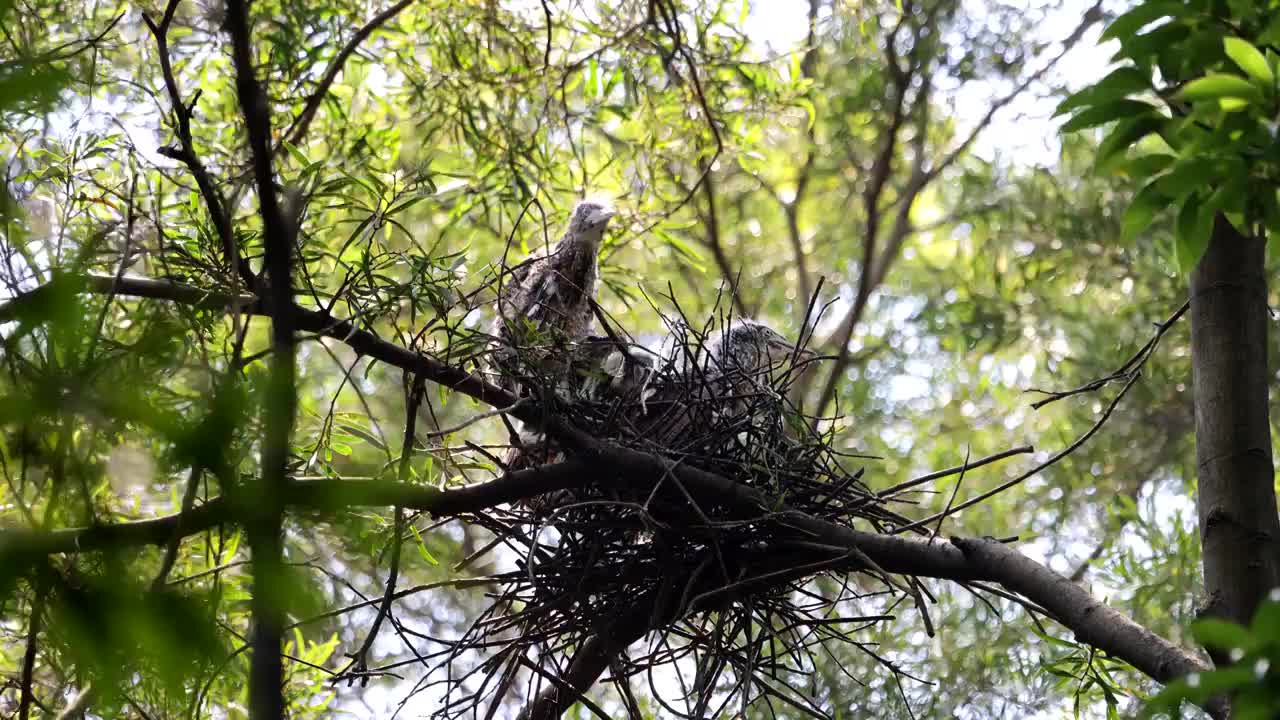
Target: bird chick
(547,300)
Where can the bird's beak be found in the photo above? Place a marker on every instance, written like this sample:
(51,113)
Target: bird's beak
(601,217)
(801,354)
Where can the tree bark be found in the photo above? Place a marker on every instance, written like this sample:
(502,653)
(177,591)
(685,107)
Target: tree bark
(1239,526)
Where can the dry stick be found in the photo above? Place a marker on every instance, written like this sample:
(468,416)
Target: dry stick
(514,408)
(1061,454)
(954,491)
(266,674)
(1022,450)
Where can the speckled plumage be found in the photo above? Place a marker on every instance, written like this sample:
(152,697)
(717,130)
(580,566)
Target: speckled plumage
(543,307)
(547,301)
(721,376)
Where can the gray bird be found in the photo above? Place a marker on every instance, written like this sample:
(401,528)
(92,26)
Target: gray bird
(721,379)
(543,308)
(747,350)
(547,301)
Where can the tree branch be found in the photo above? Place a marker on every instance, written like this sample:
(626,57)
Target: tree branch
(298,129)
(265,520)
(1236,499)
(359,340)
(591,461)
(1093,623)
(186,150)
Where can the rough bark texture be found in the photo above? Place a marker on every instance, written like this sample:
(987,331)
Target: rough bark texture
(1239,527)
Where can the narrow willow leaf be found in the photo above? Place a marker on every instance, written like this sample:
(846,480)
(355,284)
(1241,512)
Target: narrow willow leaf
(1250,60)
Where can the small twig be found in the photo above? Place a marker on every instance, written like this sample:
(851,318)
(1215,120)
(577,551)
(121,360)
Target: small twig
(1022,450)
(1061,454)
(186,153)
(298,129)
(171,549)
(1135,363)
(79,703)
(511,409)
(360,657)
(946,511)
(29,656)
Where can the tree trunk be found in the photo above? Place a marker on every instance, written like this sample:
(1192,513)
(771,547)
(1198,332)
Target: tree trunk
(1239,527)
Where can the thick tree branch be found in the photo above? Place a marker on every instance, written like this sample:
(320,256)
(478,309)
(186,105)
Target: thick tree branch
(264,521)
(894,554)
(21,547)
(592,461)
(1093,622)
(360,340)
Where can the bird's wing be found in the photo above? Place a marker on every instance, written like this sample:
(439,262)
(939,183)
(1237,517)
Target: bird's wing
(541,299)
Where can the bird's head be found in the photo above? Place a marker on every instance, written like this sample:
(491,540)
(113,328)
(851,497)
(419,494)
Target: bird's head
(753,346)
(589,219)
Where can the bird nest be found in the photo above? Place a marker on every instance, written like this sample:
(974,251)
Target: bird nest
(725,598)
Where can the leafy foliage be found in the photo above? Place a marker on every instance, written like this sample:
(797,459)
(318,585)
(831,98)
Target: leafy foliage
(1252,680)
(1195,99)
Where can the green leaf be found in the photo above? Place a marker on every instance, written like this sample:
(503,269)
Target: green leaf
(1221,634)
(593,79)
(1189,174)
(810,111)
(1142,166)
(1128,24)
(1266,621)
(1126,133)
(1105,113)
(1141,212)
(1233,104)
(1191,234)
(1219,85)
(422,547)
(1121,83)
(1250,60)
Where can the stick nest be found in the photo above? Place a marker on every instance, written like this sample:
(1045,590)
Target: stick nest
(724,598)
